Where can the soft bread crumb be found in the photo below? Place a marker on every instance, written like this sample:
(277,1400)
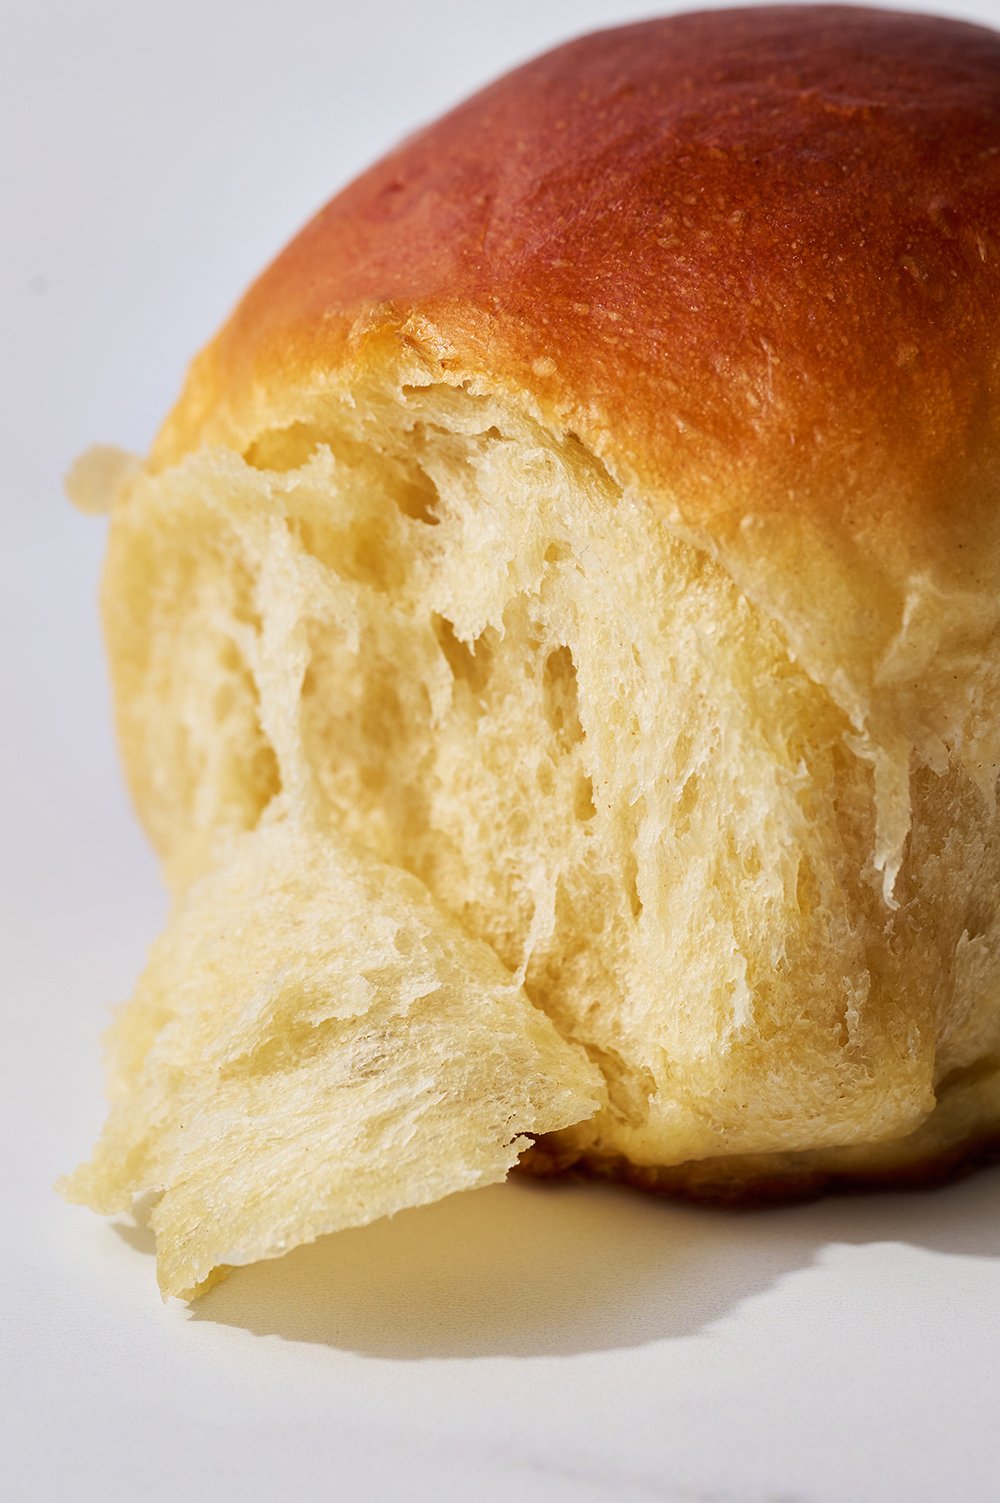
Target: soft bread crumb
(430,647)
(442,631)
(314,1044)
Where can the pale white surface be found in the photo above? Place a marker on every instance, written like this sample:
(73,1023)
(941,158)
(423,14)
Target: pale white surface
(528,1343)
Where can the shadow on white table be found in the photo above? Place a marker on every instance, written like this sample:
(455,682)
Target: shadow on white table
(543,1269)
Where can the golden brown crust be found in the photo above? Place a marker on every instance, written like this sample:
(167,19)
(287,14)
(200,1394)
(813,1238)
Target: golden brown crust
(741,252)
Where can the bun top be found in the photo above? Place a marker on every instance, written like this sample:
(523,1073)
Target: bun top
(750,257)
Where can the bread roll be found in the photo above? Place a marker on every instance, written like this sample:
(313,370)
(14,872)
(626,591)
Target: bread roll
(556,644)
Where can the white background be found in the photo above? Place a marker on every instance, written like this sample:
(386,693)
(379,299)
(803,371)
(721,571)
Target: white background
(523,1343)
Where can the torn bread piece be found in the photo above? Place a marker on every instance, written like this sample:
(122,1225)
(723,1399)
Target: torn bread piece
(315,1044)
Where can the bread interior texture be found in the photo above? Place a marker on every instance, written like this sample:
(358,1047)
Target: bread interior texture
(421,631)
